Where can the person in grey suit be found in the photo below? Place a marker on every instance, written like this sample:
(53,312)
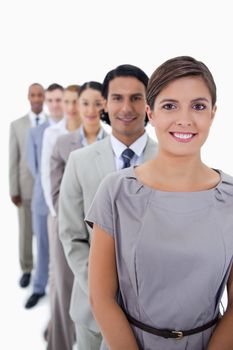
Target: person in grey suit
(20,178)
(62,331)
(125,91)
(162,245)
(53,98)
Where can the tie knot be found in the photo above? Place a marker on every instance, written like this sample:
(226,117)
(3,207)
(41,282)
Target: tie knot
(127,155)
(37,120)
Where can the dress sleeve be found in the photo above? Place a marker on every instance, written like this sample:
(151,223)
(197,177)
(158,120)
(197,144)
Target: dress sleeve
(101,211)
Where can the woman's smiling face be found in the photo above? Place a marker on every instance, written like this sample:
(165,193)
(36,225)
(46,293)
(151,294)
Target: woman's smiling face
(90,104)
(182,116)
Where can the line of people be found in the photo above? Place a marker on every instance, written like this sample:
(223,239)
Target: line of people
(57,164)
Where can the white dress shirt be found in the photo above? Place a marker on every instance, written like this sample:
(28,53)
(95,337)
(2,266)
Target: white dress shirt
(138,148)
(33,116)
(52,121)
(50,137)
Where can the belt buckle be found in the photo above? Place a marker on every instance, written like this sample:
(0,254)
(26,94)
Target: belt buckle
(179,334)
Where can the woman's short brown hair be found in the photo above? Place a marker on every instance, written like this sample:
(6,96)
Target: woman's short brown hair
(175,68)
(73,88)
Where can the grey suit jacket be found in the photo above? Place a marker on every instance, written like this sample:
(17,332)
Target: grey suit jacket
(33,154)
(65,144)
(20,178)
(85,170)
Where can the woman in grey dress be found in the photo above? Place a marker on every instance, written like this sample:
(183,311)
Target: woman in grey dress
(162,247)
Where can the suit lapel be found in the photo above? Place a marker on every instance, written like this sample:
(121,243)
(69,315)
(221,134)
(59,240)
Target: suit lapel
(27,121)
(104,159)
(75,143)
(150,150)
(40,132)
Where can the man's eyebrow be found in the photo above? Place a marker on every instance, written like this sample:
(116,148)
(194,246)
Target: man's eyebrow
(137,94)
(121,94)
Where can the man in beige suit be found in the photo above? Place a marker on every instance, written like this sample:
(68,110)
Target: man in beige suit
(20,179)
(125,91)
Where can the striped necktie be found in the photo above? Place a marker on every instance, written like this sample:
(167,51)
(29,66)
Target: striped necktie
(127,155)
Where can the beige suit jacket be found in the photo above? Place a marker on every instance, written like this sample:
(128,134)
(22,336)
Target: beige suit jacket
(20,178)
(64,145)
(85,169)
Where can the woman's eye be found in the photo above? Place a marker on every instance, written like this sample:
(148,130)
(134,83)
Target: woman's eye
(169,106)
(199,106)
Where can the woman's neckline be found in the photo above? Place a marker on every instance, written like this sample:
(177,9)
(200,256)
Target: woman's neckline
(179,192)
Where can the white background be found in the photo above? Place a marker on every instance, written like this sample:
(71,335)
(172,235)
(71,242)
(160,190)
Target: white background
(72,41)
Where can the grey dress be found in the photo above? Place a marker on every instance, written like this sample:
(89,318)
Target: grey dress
(174,252)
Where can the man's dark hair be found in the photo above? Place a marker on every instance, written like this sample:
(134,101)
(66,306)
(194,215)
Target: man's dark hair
(124,70)
(54,86)
(35,84)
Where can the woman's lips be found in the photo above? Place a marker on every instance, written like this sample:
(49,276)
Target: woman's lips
(89,117)
(183,137)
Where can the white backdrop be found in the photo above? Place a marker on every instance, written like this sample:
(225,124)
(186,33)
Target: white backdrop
(73,41)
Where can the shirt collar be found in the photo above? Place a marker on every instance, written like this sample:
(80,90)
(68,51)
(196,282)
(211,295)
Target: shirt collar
(33,115)
(100,134)
(84,142)
(52,121)
(138,145)
(60,125)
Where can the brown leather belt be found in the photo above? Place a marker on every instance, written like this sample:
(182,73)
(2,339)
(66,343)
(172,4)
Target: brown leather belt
(169,333)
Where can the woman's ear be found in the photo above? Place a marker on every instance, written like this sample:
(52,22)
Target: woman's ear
(213,112)
(149,113)
(104,105)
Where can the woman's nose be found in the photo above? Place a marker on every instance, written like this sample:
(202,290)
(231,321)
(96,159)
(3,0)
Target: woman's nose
(184,118)
(184,122)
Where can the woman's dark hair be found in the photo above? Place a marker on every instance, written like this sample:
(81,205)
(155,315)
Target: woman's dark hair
(124,70)
(175,68)
(95,85)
